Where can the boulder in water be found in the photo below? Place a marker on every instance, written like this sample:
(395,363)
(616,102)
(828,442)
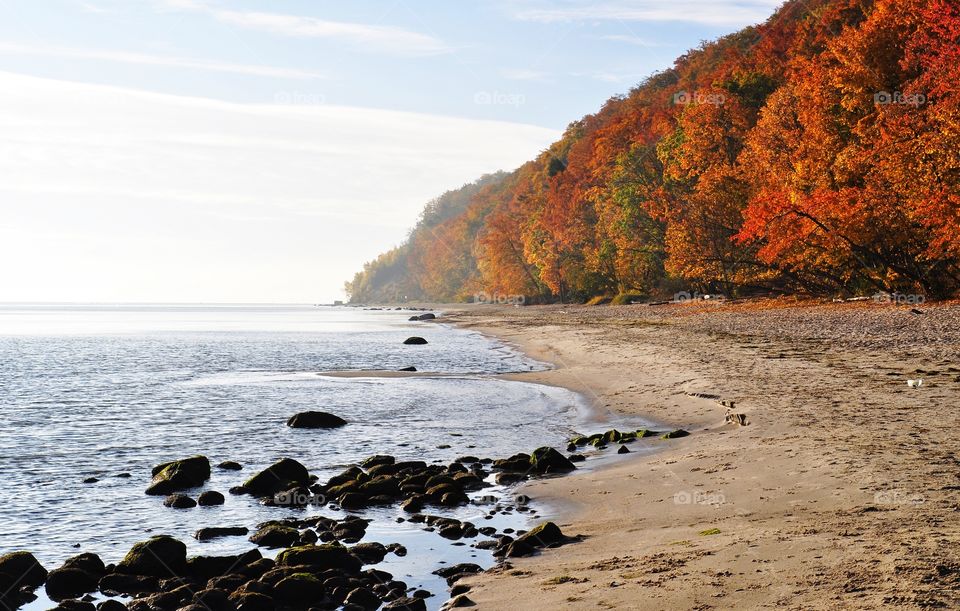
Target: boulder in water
(160,556)
(315,420)
(414,341)
(284,474)
(179,475)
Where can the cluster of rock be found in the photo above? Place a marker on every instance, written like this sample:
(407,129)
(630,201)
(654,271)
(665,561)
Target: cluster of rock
(323,559)
(613,436)
(158,575)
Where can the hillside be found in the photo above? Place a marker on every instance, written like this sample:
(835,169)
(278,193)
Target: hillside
(818,153)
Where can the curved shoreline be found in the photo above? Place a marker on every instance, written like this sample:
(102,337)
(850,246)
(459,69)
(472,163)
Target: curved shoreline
(809,506)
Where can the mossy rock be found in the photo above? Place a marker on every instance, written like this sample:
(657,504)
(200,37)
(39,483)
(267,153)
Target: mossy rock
(282,475)
(709,532)
(160,556)
(179,475)
(641,433)
(548,460)
(612,436)
(22,568)
(327,556)
(300,590)
(547,534)
(675,434)
(275,535)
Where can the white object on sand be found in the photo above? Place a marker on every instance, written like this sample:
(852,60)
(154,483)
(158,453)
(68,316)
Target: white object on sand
(914,383)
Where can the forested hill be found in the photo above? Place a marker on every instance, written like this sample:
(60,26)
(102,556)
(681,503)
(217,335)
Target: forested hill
(818,152)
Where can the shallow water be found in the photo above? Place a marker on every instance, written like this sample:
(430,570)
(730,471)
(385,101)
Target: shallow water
(94,391)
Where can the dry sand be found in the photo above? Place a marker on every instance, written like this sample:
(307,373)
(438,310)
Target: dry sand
(842,492)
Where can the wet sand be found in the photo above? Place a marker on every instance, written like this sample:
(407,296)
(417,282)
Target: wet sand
(843,491)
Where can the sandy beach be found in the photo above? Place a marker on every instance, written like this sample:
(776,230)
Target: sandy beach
(843,491)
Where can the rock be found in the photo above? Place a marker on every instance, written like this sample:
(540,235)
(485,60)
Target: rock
(623,450)
(91,480)
(179,501)
(369,553)
(275,535)
(212,598)
(179,475)
(348,475)
(548,460)
(161,556)
(576,458)
(128,584)
(70,583)
(454,498)
(86,562)
(451,531)
(23,568)
(252,601)
(547,534)
(229,465)
(507,478)
(328,556)
(427,316)
(518,463)
(210,498)
(406,603)
(363,598)
(460,601)
(205,568)
(414,504)
(674,434)
(300,590)
(414,341)
(379,459)
(410,368)
(465,568)
(315,420)
(111,605)
(214,532)
(282,475)
(353,500)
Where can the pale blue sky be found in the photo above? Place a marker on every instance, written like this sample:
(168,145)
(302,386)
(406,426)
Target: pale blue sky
(201,150)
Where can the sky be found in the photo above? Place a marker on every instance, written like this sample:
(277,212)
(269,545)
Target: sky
(260,152)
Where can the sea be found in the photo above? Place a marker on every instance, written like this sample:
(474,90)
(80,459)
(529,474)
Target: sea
(108,391)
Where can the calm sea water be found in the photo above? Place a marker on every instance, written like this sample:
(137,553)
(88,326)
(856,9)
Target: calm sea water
(95,391)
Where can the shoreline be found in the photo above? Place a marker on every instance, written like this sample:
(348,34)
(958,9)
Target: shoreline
(814,504)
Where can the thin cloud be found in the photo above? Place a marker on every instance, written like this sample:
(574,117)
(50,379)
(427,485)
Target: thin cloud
(522,74)
(158,60)
(630,40)
(707,12)
(369,36)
